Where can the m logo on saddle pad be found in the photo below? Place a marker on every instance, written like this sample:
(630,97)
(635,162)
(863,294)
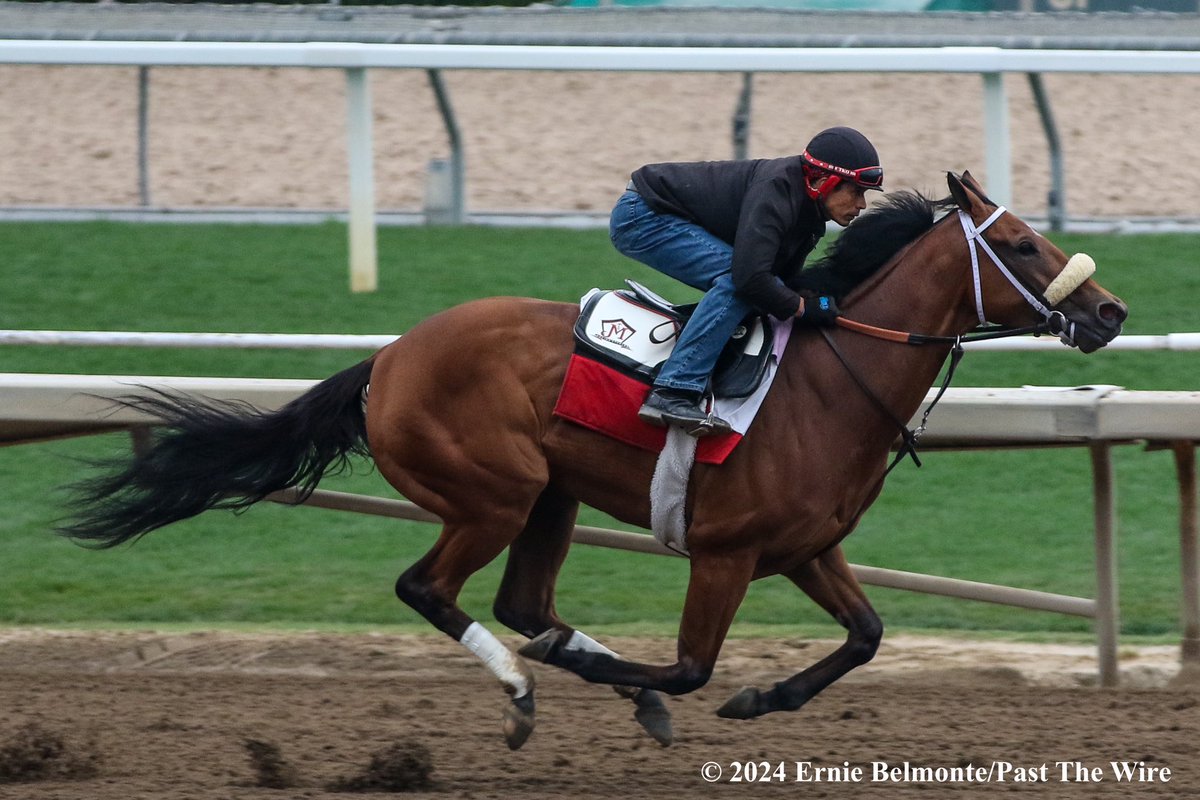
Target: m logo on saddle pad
(632,336)
(634,330)
(622,338)
(616,331)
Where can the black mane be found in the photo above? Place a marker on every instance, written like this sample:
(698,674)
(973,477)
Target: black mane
(870,241)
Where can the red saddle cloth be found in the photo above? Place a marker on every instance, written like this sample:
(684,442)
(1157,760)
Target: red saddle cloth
(602,399)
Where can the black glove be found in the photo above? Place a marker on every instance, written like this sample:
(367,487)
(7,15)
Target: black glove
(819,310)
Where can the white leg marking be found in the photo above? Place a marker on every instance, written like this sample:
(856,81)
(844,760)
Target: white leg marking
(497,658)
(581,641)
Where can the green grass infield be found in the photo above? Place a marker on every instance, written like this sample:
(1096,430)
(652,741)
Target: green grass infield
(1016,517)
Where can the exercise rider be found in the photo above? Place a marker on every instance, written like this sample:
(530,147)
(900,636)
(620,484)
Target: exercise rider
(740,232)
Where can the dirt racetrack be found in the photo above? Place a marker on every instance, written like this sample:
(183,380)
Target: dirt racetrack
(567,141)
(143,715)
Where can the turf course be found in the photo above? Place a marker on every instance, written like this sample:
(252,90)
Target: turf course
(1015,517)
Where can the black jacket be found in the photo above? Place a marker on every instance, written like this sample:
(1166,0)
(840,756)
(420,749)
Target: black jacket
(758,206)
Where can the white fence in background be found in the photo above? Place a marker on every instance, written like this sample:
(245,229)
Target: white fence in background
(39,407)
(357,58)
(349,341)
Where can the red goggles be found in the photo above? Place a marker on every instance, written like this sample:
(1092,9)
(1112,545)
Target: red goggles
(869,177)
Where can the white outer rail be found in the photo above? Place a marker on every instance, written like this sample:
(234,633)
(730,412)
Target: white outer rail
(350,341)
(38,407)
(271,341)
(641,543)
(354,55)
(356,58)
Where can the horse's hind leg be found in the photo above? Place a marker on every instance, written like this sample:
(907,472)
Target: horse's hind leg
(525,601)
(715,590)
(431,587)
(829,581)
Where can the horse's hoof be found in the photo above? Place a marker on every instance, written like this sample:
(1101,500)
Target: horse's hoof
(542,646)
(743,705)
(518,721)
(656,719)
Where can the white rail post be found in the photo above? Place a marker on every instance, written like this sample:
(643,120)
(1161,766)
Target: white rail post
(143,129)
(363,258)
(741,117)
(458,167)
(1105,499)
(1185,467)
(997,142)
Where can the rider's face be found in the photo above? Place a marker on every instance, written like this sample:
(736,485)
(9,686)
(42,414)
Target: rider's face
(845,202)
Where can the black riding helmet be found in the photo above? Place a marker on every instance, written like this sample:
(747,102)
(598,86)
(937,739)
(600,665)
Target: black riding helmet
(842,154)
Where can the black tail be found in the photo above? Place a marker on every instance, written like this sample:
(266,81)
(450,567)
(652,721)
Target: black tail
(220,454)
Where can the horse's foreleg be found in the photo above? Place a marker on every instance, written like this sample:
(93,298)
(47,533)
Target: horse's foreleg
(715,591)
(525,600)
(431,588)
(829,581)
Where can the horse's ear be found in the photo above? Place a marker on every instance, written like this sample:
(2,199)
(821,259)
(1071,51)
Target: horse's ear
(969,180)
(958,191)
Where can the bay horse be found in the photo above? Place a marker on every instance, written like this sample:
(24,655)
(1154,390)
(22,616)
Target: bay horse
(458,418)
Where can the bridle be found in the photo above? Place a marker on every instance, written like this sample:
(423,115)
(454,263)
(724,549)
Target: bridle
(1053,322)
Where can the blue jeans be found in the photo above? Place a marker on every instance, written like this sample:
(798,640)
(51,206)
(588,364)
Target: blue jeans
(690,254)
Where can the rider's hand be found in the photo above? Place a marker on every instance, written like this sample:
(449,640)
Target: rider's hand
(817,310)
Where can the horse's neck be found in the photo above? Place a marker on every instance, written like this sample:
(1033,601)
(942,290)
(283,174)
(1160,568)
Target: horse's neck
(924,289)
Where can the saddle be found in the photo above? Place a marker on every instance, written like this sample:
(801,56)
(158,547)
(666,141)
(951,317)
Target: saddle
(634,330)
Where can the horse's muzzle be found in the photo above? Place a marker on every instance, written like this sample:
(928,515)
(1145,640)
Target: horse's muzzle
(1099,325)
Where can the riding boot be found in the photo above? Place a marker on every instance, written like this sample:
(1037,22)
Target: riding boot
(682,408)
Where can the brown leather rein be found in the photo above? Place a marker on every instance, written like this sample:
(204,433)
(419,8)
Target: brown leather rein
(910,438)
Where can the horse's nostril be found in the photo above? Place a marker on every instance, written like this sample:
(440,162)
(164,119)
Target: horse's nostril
(1112,313)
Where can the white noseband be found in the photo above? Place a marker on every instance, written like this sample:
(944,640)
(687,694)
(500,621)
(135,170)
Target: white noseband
(1077,270)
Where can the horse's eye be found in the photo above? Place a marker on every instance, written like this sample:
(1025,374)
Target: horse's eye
(1026,247)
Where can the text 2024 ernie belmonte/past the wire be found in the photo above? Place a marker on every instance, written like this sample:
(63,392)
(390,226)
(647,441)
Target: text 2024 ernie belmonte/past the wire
(1119,771)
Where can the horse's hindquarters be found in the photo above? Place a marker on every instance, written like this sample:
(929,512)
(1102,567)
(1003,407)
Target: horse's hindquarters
(457,406)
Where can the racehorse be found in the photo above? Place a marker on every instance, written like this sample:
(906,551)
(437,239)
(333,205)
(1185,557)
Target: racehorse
(458,418)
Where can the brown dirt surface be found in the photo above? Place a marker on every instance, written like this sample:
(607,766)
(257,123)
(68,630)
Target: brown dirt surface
(567,141)
(173,716)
